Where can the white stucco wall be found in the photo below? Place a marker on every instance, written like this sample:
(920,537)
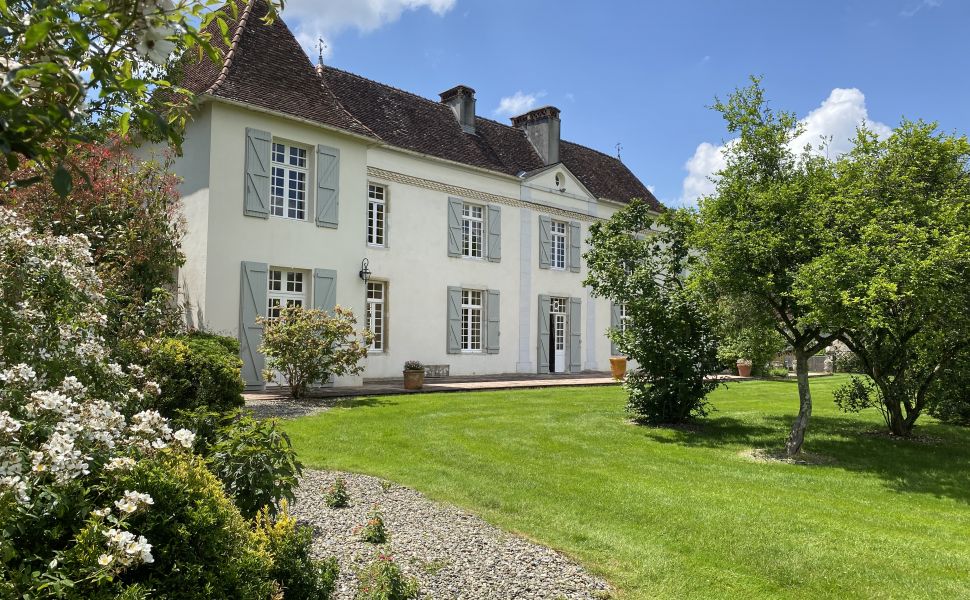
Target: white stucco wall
(415,264)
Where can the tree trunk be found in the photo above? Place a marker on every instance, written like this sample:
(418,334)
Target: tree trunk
(797,435)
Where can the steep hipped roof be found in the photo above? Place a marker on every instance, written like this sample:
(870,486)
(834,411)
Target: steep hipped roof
(266,67)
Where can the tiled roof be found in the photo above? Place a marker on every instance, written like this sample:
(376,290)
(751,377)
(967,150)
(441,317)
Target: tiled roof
(266,67)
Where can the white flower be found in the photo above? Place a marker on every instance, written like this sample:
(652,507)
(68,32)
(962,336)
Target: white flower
(153,43)
(105,559)
(72,386)
(133,501)
(18,373)
(184,437)
(152,388)
(102,512)
(120,463)
(8,424)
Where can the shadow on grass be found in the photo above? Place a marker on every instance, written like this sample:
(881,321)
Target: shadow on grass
(936,461)
(359,401)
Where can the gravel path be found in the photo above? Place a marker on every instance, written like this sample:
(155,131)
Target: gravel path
(453,554)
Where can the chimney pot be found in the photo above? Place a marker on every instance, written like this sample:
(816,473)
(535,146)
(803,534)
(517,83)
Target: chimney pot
(461,99)
(542,126)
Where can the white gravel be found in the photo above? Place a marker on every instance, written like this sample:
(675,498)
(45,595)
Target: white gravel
(453,554)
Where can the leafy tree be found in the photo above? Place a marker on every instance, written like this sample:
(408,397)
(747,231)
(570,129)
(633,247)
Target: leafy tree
(66,65)
(643,267)
(894,277)
(761,225)
(308,346)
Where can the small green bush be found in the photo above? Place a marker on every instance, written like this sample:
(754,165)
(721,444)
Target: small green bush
(253,458)
(383,580)
(337,495)
(202,547)
(949,396)
(373,531)
(301,577)
(196,370)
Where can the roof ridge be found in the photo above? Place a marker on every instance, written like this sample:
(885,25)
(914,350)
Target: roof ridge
(233,45)
(385,85)
(611,157)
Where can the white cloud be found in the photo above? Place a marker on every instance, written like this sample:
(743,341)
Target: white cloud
(911,12)
(834,121)
(312,19)
(517,104)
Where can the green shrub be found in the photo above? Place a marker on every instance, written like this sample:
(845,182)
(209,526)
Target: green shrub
(301,577)
(253,458)
(337,495)
(383,580)
(196,370)
(202,546)
(373,531)
(949,396)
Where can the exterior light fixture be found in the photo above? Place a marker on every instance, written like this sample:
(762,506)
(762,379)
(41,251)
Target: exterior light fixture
(364,271)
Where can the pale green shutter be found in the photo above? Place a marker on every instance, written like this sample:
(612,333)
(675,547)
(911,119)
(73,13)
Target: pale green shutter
(575,237)
(256,191)
(454,226)
(324,289)
(328,186)
(454,320)
(252,303)
(494,232)
(492,320)
(575,329)
(543,345)
(614,324)
(545,242)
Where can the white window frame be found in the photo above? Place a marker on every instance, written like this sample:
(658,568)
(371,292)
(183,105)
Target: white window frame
(473,226)
(472,325)
(560,245)
(375,316)
(286,288)
(623,317)
(289,181)
(376,215)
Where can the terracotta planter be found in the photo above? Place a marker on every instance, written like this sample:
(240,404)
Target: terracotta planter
(618,367)
(744,369)
(413,380)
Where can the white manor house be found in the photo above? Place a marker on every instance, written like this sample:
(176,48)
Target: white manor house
(457,240)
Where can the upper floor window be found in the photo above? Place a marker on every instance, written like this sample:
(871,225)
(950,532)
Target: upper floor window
(623,317)
(376,215)
(471,320)
(558,245)
(473,230)
(286,289)
(288,186)
(375,318)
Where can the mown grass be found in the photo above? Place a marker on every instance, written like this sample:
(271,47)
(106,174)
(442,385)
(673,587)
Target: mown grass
(680,513)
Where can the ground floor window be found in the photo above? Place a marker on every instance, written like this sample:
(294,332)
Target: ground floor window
(286,289)
(471,320)
(623,318)
(376,319)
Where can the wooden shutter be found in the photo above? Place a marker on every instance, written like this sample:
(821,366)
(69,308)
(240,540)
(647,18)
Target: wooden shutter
(324,289)
(256,191)
(454,320)
(252,304)
(545,242)
(543,342)
(328,186)
(575,238)
(494,232)
(614,324)
(454,226)
(492,320)
(575,336)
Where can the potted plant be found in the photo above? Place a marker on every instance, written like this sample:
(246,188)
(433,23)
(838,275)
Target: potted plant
(618,367)
(413,375)
(744,367)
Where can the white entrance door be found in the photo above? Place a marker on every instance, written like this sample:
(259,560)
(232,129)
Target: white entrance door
(558,330)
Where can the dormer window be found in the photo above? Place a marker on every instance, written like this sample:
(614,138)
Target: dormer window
(559,181)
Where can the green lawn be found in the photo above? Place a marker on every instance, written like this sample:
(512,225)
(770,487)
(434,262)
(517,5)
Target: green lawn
(679,514)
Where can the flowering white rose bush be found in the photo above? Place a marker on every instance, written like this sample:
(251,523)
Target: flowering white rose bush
(71,422)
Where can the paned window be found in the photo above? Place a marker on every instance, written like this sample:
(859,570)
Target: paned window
(623,318)
(471,320)
(558,245)
(375,318)
(286,289)
(472,230)
(376,215)
(288,195)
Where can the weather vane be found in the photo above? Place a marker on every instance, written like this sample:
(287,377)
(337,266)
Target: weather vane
(619,147)
(321,46)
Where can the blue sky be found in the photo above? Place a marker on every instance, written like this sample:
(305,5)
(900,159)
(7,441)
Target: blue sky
(643,73)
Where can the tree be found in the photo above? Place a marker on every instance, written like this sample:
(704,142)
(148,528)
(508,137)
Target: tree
(643,267)
(68,68)
(308,346)
(760,226)
(894,278)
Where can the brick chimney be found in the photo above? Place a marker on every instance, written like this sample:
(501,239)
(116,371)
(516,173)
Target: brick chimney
(461,99)
(541,126)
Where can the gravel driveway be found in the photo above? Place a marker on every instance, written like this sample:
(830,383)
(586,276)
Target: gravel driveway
(453,554)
